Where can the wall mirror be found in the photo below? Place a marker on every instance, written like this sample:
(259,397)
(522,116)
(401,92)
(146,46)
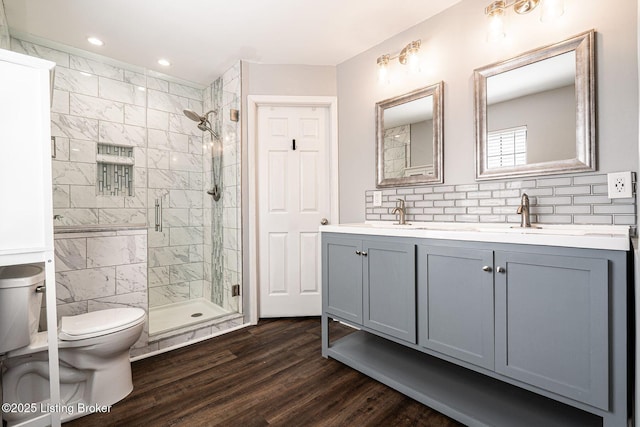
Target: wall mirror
(535,114)
(409,138)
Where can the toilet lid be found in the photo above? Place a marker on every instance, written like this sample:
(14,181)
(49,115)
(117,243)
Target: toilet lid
(99,323)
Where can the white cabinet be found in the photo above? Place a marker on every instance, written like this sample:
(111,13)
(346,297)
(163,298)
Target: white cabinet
(26,212)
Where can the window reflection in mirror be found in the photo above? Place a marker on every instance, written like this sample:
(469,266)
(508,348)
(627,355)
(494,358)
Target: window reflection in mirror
(409,138)
(535,113)
(540,98)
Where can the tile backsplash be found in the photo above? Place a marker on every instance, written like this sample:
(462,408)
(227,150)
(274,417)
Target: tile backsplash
(580,199)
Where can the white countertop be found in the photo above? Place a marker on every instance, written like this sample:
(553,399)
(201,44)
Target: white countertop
(614,237)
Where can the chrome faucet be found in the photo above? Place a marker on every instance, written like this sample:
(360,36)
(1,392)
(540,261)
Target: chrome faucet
(523,210)
(400,210)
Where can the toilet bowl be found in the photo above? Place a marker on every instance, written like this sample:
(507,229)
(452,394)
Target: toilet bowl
(94,363)
(93,349)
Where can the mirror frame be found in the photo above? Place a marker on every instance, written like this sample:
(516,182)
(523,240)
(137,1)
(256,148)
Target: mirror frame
(585,160)
(435,90)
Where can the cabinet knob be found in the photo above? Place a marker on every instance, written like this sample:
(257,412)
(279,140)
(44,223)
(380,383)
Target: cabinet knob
(358,253)
(501,270)
(324,221)
(486,268)
(364,254)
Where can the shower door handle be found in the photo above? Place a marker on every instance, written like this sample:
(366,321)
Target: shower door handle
(158,225)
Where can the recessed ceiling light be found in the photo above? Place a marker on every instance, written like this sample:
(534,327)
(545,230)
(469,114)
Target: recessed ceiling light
(164,62)
(95,41)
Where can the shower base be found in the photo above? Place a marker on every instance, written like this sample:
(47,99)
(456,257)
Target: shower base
(178,315)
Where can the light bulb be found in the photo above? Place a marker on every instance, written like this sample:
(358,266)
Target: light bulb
(383,69)
(496,26)
(551,10)
(414,61)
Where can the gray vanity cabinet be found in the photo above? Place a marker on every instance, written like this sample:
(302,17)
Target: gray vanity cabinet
(455,303)
(371,282)
(507,334)
(552,324)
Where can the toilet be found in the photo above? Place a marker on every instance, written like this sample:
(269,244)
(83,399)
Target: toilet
(93,349)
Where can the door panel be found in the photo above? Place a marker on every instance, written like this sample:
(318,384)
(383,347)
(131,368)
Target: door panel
(308,175)
(342,275)
(456,303)
(278,254)
(389,288)
(552,324)
(309,258)
(278,190)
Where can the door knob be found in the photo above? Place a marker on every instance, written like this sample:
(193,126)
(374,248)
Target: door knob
(324,221)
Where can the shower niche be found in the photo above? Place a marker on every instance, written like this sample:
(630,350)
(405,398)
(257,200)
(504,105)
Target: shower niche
(115,170)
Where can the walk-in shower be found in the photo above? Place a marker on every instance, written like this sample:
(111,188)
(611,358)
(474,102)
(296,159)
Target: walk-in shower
(195,261)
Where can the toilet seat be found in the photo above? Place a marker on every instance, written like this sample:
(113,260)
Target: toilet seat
(98,323)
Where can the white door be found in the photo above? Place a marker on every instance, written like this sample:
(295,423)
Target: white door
(293,198)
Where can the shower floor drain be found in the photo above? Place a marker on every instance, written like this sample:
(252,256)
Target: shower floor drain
(196,315)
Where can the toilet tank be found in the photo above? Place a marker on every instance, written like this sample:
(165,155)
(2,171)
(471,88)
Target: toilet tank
(19,304)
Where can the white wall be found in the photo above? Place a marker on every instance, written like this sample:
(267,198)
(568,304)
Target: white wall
(454,44)
(290,80)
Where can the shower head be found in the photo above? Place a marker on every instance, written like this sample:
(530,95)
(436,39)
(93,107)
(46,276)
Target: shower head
(194,116)
(203,122)
(197,117)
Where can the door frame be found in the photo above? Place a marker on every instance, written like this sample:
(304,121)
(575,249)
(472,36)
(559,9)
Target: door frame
(253,102)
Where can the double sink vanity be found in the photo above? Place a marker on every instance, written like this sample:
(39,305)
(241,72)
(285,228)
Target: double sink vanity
(489,324)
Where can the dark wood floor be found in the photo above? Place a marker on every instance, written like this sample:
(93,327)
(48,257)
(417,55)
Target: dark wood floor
(270,374)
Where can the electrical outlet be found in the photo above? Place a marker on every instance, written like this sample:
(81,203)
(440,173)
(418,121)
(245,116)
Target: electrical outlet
(620,185)
(377,199)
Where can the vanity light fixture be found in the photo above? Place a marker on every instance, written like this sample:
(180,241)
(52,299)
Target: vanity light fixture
(407,56)
(496,11)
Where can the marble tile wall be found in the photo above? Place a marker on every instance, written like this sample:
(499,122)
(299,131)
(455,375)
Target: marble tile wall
(96,102)
(93,102)
(100,270)
(4,29)
(396,155)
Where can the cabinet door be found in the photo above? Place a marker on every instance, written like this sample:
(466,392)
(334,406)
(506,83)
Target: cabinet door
(390,288)
(552,323)
(456,303)
(342,278)
(26,216)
